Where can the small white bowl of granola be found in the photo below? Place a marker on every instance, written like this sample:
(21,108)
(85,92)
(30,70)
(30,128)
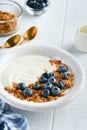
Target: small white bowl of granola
(39,77)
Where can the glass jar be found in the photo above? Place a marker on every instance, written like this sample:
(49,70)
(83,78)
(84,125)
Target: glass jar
(36,7)
(10,14)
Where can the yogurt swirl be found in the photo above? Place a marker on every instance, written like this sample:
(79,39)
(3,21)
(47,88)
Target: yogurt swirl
(26,69)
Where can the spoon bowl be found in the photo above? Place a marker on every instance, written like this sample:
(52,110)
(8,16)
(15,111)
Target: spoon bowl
(29,34)
(12,41)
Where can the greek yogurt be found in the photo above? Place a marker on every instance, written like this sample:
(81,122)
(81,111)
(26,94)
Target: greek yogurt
(26,69)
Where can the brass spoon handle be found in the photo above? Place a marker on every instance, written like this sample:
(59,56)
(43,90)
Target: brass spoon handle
(4,46)
(21,43)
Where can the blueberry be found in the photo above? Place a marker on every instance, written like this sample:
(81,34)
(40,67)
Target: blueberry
(44,78)
(62,69)
(48,85)
(36,5)
(36,86)
(45,1)
(2,126)
(65,75)
(21,86)
(52,80)
(51,74)
(55,91)
(61,84)
(41,5)
(27,92)
(29,2)
(45,93)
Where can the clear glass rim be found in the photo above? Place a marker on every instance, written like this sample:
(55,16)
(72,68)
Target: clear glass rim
(12,2)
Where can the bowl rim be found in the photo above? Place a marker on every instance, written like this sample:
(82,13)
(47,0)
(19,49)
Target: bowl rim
(16,3)
(47,105)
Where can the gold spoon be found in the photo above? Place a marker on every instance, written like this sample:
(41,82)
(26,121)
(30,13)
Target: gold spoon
(12,41)
(29,34)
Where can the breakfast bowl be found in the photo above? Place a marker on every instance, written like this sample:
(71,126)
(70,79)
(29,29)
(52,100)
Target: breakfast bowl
(10,14)
(23,64)
(36,7)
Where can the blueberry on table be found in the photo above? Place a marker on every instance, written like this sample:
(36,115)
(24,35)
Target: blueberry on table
(48,85)
(21,86)
(61,84)
(44,78)
(45,93)
(36,86)
(55,91)
(65,75)
(62,69)
(52,80)
(27,92)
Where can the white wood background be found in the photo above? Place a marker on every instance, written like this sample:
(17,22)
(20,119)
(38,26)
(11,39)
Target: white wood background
(57,27)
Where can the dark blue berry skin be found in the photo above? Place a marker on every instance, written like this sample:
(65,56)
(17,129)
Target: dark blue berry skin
(41,4)
(21,86)
(55,91)
(35,5)
(37,86)
(51,74)
(62,69)
(29,2)
(65,75)
(2,126)
(61,84)
(52,80)
(48,85)
(44,78)
(27,92)
(45,93)
(45,1)
(38,4)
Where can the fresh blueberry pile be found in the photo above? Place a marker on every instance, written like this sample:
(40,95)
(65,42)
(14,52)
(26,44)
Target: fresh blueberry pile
(50,85)
(37,4)
(26,91)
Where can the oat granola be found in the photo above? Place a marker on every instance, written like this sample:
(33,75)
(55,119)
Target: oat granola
(8,22)
(37,96)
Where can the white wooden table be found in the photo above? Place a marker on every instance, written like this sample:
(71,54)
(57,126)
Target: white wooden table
(57,27)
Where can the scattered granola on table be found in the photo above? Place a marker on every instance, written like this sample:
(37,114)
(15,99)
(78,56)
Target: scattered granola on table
(49,86)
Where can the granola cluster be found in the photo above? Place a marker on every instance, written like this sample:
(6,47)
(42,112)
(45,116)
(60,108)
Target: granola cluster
(8,22)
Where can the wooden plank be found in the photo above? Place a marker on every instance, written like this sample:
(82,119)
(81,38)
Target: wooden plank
(37,120)
(74,115)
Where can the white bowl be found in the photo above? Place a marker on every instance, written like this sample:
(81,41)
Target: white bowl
(49,51)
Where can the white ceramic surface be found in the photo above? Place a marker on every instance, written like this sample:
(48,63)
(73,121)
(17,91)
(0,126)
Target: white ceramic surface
(80,41)
(49,51)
